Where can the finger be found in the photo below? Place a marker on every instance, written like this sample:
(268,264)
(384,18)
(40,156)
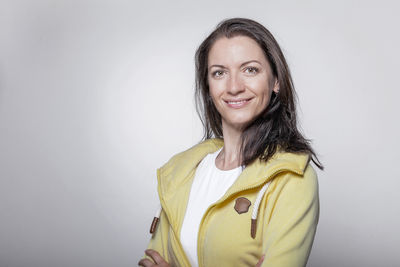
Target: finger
(260,261)
(145,263)
(154,255)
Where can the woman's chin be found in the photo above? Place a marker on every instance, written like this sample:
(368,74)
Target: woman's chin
(236,125)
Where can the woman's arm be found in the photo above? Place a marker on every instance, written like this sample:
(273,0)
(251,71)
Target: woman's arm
(289,235)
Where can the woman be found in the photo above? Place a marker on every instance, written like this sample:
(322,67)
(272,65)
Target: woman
(247,194)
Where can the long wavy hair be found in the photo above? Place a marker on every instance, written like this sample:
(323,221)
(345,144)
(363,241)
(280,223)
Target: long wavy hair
(275,127)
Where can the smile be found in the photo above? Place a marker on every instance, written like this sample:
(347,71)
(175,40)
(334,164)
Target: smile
(237,103)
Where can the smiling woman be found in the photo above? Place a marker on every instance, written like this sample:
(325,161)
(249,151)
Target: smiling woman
(240,81)
(246,195)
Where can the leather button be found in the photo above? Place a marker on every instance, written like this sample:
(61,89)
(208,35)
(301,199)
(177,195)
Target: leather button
(242,205)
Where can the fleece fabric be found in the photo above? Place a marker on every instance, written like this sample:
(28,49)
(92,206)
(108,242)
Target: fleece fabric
(287,215)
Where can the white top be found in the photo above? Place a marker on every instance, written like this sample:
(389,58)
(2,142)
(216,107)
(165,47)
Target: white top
(209,185)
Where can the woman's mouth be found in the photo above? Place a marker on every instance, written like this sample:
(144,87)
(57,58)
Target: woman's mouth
(237,103)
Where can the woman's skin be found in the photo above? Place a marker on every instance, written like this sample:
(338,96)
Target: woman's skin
(158,261)
(238,71)
(241,84)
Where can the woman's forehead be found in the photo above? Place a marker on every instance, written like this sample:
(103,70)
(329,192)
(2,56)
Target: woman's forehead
(235,50)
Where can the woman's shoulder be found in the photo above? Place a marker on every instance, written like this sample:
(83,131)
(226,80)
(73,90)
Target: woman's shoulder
(180,165)
(296,175)
(298,185)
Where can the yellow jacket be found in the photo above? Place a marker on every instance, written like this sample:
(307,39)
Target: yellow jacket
(286,222)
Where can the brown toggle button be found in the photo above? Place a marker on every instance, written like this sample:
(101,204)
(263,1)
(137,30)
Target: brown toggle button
(154,225)
(242,205)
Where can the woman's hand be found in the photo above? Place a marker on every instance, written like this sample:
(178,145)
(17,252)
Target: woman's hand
(159,261)
(260,261)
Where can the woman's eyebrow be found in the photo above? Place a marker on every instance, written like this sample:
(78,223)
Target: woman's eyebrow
(243,64)
(250,61)
(217,66)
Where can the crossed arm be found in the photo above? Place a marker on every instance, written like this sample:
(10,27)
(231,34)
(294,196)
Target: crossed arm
(290,232)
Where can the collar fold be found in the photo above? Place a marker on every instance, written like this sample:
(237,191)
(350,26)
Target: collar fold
(176,171)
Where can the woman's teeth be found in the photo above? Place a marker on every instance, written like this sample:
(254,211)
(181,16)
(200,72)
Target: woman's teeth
(236,102)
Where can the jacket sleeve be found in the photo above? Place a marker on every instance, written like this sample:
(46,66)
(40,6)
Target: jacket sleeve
(291,227)
(158,241)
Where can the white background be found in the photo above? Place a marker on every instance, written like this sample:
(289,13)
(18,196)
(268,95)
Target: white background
(96,95)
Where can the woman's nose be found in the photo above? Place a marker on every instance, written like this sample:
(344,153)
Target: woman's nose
(235,85)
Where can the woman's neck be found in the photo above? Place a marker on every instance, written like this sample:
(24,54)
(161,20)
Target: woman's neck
(229,157)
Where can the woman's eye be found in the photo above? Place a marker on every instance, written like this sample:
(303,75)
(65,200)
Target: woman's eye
(218,73)
(251,70)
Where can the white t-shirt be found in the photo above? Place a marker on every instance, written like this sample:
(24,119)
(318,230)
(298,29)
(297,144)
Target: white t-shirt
(209,185)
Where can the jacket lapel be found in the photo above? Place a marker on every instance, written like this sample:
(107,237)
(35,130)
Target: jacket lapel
(261,172)
(176,176)
(175,179)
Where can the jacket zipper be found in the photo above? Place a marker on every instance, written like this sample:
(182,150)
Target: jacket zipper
(201,228)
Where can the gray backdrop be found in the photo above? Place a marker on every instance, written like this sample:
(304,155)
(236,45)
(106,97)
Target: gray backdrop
(95,95)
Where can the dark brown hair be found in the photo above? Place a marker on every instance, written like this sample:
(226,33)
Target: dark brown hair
(276,126)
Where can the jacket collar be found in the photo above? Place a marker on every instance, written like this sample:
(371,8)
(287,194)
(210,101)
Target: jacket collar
(176,171)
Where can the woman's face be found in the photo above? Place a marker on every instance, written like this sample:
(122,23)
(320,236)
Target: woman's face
(240,80)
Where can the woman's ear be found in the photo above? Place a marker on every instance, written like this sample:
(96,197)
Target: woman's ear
(276,86)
